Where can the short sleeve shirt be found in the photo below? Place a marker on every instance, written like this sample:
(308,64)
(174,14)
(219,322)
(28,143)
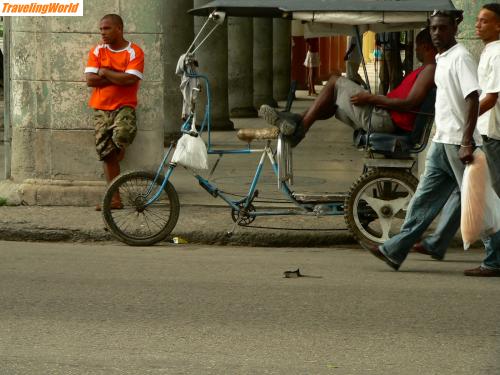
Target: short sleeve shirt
(489,80)
(128,60)
(455,78)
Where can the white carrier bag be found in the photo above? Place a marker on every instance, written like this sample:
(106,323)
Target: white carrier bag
(191,151)
(480,211)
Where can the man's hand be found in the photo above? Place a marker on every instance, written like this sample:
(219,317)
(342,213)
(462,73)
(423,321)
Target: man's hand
(95,80)
(102,72)
(361,99)
(466,154)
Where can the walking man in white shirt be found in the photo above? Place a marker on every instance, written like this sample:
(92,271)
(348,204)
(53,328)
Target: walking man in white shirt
(488,124)
(457,106)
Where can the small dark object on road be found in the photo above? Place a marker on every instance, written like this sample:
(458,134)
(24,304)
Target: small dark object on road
(292,274)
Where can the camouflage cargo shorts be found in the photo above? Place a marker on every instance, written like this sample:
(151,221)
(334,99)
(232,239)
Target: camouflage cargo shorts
(114,130)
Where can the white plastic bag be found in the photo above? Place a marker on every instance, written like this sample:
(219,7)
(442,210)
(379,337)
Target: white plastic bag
(191,151)
(480,212)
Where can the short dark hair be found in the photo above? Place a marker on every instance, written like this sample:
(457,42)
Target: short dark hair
(494,7)
(115,18)
(424,37)
(455,16)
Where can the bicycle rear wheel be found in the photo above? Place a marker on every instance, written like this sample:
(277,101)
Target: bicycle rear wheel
(138,224)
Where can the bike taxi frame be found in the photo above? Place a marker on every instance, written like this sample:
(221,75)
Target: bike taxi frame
(379,173)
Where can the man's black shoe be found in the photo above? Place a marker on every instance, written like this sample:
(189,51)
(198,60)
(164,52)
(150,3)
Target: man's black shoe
(380,255)
(286,122)
(482,272)
(419,248)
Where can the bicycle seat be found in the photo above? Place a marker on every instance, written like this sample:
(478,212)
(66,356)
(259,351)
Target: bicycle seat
(248,135)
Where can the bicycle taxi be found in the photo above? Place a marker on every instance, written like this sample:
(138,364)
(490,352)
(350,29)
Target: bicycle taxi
(376,203)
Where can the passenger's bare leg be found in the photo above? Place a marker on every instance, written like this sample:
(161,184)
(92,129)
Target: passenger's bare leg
(323,106)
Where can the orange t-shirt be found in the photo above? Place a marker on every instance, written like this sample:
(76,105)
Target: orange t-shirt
(128,60)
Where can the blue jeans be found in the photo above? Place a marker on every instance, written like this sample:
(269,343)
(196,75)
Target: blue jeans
(442,178)
(437,243)
(491,148)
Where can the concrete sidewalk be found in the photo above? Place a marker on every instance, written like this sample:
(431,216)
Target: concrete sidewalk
(325,161)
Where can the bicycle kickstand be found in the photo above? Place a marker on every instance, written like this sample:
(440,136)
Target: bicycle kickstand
(230,233)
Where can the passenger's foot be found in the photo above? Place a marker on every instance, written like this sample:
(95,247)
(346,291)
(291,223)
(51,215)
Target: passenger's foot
(286,126)
(419,248)
(375,251)
(482,272)
(289,124)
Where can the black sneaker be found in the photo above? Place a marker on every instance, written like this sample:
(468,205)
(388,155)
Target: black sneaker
(380,255)
(288,123)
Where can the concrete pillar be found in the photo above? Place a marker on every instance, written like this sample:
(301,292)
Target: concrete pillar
(263,62)
(212,57)
(54,161)
(240,67)
(282,59)
(179,34)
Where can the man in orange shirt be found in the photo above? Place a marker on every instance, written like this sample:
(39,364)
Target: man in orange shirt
(114,69)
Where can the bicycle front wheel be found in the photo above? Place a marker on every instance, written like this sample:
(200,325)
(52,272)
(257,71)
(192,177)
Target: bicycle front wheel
(138,223)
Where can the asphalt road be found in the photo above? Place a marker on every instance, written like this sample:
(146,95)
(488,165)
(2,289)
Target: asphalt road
(181,309)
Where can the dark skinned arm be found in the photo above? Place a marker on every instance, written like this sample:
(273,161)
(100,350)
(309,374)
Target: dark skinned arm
(94,80)
(471,111)
(487,102)
(118,78)
(424,82)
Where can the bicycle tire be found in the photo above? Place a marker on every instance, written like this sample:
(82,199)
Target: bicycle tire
(132,188)
(356,215)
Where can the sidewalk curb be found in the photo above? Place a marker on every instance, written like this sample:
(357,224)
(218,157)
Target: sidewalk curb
(246,237)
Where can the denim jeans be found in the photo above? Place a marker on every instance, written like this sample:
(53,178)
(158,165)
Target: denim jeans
(491,148)
(437,243)
(442,178)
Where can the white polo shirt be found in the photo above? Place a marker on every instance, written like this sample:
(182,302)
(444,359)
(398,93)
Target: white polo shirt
(455,78)
(489,80)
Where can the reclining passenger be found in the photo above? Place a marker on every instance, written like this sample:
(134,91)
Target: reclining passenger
(353,105)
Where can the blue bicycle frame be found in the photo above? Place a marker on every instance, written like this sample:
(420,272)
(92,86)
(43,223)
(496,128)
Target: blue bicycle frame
(328,208)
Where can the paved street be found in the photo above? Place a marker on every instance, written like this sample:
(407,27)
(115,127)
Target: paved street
(184,309)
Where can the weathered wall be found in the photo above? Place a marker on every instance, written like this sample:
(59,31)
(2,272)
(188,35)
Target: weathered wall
(52,128)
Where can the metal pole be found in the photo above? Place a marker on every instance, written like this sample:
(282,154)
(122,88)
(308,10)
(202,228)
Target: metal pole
(360,49)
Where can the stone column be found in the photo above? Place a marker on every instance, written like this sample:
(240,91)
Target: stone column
(240,67)
(212,57)
(179,34)
(282,58)
(263,62)
(54,161)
